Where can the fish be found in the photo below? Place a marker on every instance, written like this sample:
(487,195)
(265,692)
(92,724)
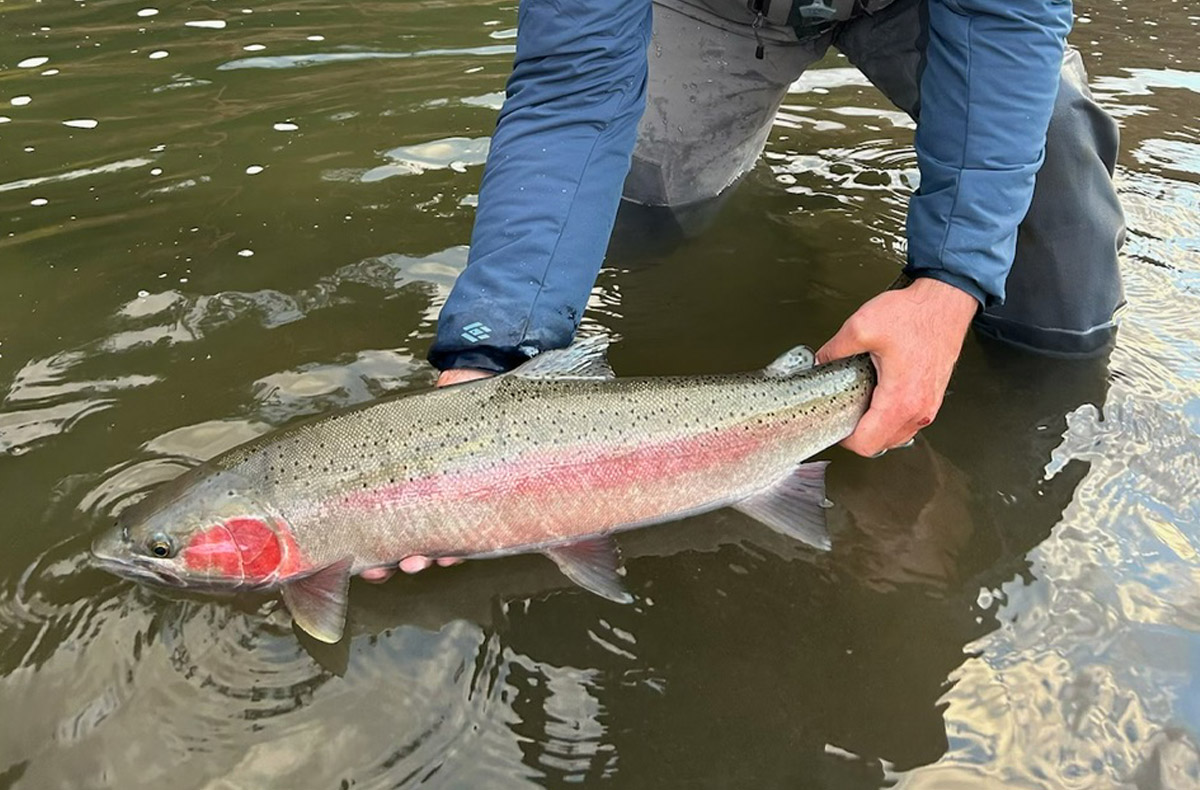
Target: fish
(554,456)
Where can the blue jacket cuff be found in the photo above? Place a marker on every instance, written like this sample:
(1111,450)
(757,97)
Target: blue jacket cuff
(490,358)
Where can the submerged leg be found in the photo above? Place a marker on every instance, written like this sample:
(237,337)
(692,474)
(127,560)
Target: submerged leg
(710,104)
(1065,285)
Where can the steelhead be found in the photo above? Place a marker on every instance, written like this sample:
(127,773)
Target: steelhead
(552,457)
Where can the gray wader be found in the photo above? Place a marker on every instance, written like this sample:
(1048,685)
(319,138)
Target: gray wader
(711,104)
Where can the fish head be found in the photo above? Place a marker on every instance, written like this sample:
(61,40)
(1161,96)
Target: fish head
(207,533)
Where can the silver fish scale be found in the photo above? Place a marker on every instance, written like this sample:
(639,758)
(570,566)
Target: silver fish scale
(511,430)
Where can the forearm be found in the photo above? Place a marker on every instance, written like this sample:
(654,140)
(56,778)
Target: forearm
(987,94)
(552,182)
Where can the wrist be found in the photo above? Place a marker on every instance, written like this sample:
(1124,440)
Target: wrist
(960,281)
(943,298)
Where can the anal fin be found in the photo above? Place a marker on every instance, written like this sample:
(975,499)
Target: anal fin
(794,506)
(595,565)
(318,602)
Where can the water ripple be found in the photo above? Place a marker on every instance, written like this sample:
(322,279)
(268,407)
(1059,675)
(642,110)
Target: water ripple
(327,58)
(72,175)
(49,396)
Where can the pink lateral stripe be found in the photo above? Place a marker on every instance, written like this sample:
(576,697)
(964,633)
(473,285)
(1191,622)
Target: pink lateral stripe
(560,471)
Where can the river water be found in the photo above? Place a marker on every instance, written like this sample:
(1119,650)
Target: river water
(217,217)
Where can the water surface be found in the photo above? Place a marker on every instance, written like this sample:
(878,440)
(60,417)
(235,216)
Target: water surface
(216,218)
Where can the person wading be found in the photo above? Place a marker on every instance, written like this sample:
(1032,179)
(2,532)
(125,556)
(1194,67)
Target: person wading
(1015,227)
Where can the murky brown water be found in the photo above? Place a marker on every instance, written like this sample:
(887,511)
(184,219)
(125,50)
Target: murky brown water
(216,218)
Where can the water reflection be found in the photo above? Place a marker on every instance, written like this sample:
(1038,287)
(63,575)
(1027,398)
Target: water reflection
(329,58)
(72,175)
(497,655)
(170,318)
(1010,603)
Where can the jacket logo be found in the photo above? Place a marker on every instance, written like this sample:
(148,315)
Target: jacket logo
(473,333)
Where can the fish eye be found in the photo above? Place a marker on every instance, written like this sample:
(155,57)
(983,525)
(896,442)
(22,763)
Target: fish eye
(160,546)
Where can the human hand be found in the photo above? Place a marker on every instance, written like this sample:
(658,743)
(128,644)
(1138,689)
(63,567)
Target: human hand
(461,376)
(416,562)
(914,336)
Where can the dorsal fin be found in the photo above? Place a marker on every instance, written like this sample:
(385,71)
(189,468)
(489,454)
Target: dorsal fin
(583,359)
(791,362)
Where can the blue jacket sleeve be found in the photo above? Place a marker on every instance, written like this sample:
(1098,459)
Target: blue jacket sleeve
(552,183)
(987,92)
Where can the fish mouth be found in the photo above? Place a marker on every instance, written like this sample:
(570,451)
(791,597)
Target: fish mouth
(147,572)
(137,570)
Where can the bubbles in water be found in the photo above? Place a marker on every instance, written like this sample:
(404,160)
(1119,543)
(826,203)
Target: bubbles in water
(285,127)
(985,599)
(32,63)
(82,123)
(20,101)
(158,54)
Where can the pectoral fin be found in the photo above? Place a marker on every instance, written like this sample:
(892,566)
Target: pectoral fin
(794,506)
(318,602)
(594,565)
